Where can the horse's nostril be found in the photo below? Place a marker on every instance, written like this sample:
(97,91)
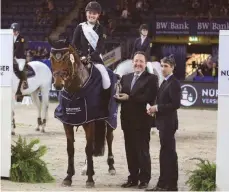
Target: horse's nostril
(59,87)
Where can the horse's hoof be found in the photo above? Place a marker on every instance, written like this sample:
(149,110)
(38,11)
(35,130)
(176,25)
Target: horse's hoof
(67,182)
(37,129)
(12,133)
(112,172)
(90,184)
(43,131)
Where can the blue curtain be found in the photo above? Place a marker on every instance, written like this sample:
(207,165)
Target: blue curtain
(179,52)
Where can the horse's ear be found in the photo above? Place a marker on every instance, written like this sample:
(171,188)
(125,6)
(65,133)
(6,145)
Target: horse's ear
(50,41)
(71,47)
(67,41)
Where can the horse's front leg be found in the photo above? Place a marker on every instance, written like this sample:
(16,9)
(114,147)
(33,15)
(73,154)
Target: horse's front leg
(89,129)
(70,149)
(110,158)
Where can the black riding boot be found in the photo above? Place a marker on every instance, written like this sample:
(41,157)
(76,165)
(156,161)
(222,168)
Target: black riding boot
(24,79)
(106,99)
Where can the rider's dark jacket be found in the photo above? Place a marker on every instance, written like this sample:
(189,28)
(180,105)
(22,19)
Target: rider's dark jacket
(19,47)
(80,42)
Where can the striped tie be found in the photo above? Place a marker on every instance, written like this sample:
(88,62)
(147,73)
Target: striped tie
(134,81)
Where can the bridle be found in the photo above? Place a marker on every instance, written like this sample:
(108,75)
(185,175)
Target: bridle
(64,55)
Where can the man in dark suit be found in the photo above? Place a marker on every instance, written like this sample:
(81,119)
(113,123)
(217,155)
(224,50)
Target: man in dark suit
(143,43)
(138,89)
(168,101)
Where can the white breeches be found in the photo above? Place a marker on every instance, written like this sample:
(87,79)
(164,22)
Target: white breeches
(106,82)
(21,63)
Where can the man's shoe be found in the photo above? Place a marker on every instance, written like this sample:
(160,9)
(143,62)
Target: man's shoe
(172,189)
(157,189)
(143,185)
(129,184)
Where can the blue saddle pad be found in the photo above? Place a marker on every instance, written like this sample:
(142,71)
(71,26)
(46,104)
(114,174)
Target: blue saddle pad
(87,104)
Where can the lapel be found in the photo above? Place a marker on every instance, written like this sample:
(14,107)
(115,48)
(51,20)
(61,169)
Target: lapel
(139,42)
(164,85)
(137,83)
(17,39)
(129,80)
(145,41)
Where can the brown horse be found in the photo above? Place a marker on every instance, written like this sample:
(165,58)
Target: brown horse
(69,73)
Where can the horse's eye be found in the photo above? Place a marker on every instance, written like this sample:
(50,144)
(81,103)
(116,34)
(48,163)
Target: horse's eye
(64,73)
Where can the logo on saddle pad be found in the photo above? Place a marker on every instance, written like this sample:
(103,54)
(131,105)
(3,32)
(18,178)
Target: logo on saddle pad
(72,111)
(188,95)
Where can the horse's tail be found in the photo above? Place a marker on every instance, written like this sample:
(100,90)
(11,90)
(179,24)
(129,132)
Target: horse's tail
(99,138)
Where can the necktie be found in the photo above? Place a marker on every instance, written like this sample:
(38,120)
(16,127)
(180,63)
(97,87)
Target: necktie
(163,82)
(134,81)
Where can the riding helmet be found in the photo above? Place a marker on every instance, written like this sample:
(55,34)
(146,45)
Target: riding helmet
(143,26)
(15,26)
(94,6)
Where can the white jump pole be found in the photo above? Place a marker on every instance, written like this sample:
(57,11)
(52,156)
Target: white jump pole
(6,70)
(222,159)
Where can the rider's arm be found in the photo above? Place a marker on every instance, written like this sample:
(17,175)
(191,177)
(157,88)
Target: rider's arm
(76,42)
(148,49)
(100,48)
(134,48)
(19,48)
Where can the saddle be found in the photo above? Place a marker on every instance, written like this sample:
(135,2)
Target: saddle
(28,71)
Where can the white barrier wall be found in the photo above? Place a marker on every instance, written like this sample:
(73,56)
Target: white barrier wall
(222,159)
(6,69)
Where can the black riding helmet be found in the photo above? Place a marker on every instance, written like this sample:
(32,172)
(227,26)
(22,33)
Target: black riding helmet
(94,6)
(15,26)
(143,26)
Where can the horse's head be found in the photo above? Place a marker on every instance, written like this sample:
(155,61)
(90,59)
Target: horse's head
(65,64)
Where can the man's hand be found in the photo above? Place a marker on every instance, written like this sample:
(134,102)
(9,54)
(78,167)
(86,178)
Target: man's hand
(122,96)
(152,109)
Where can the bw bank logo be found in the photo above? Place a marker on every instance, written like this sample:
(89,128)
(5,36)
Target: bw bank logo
(188,95)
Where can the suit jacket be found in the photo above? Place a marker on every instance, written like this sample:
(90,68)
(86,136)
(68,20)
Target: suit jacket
(142,47)
(133,111)
(19,47)
(80,42)
(168,101)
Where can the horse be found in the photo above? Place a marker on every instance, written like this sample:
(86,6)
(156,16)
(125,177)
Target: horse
(126,67)
(39,79)
(70,76)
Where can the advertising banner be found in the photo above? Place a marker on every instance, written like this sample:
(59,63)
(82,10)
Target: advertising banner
(112,56)
(179,26)
(199,94)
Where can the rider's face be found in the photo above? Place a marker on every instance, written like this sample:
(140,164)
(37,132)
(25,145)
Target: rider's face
(139,63)
(92,16)
(144,32)
(15,33)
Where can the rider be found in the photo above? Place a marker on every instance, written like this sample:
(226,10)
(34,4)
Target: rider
(19,53)
(88,39)
(143,43)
